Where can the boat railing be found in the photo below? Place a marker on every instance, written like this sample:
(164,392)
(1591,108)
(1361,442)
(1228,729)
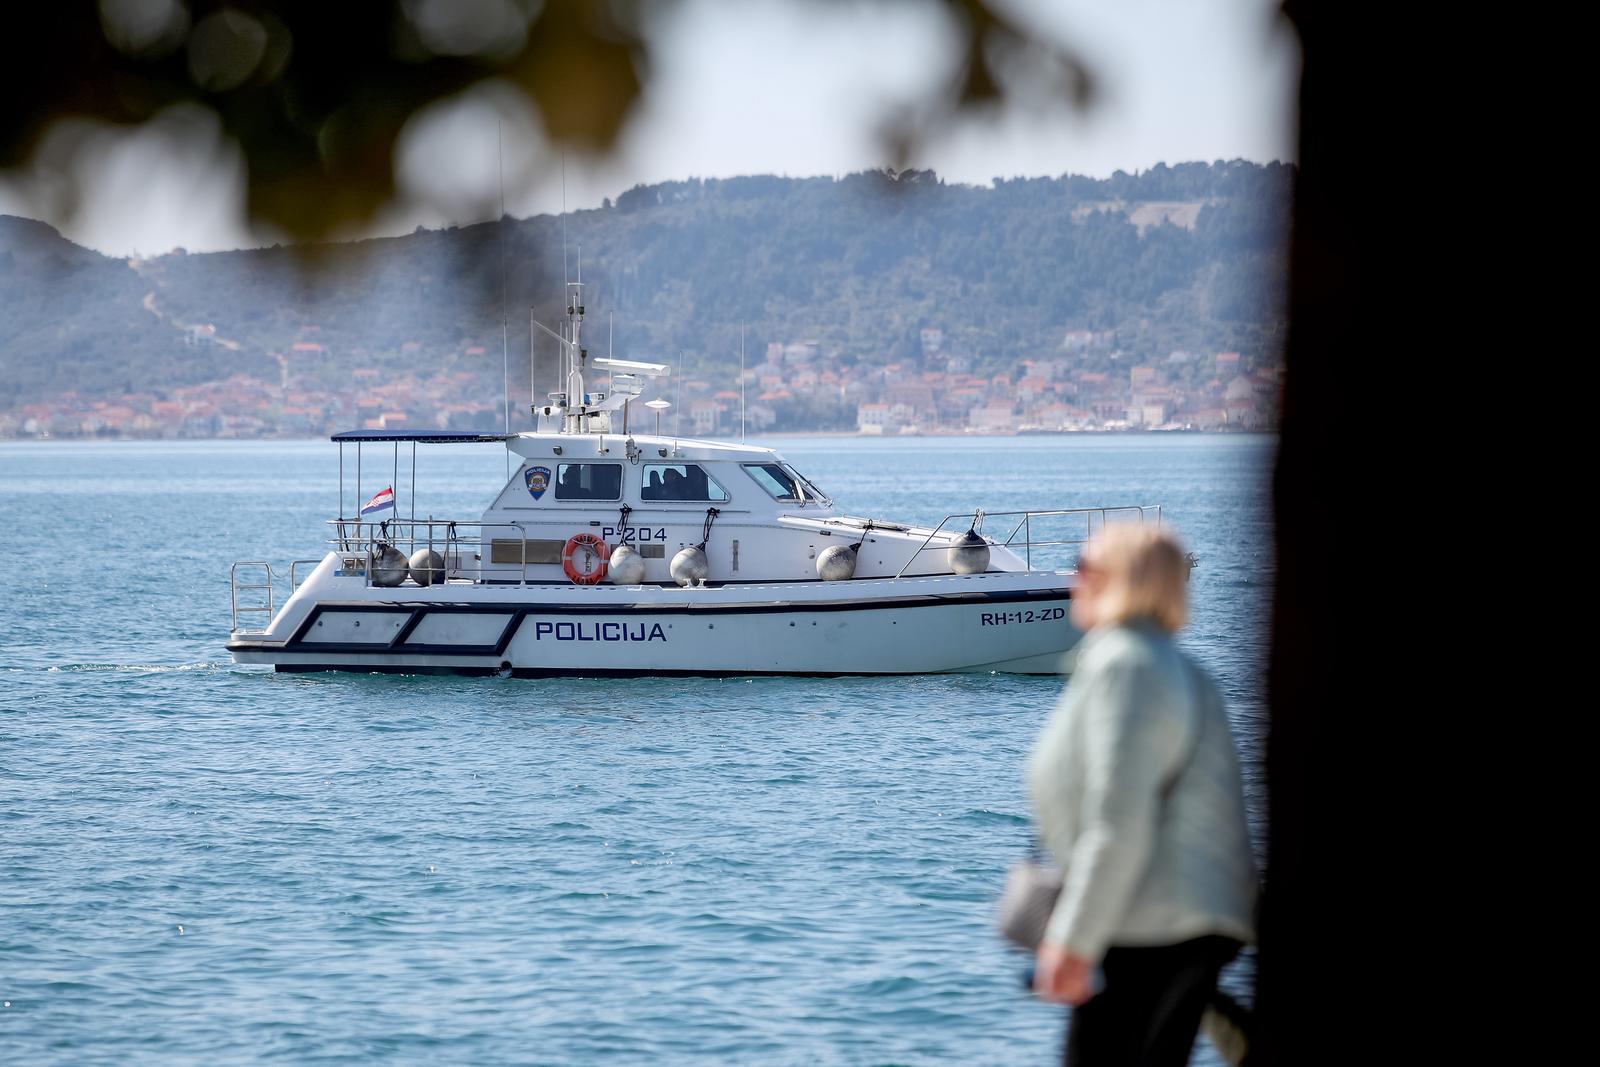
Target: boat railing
(295,577)
(259,583)
(1068,528)
(459,543)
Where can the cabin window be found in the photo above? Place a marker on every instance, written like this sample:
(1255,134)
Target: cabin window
(679,481)
(783,483)
(589,481)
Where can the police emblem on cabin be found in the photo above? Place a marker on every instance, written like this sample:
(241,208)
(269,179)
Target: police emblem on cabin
(538,479)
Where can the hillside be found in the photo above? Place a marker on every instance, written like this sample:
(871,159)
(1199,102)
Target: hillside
(74,319)
(1187,259)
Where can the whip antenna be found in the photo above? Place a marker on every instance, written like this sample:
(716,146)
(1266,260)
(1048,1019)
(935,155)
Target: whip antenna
(505,339)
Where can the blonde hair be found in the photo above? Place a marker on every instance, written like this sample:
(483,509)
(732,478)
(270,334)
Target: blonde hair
(1146,575)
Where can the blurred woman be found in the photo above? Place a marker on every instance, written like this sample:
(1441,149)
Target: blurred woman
(1136,793)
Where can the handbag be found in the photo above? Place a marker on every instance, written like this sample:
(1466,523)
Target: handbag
(1029,897)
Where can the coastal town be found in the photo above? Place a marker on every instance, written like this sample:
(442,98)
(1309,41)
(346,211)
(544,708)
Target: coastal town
(1085,384)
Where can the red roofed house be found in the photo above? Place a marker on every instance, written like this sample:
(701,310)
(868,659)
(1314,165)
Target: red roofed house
(1032,386)
(1240,388)
(990,418)
(706,415)
(872,418)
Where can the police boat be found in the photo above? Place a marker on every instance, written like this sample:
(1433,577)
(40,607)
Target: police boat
(611,553)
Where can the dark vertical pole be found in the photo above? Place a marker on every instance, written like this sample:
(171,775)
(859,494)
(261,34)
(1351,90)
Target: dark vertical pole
(1310,1004)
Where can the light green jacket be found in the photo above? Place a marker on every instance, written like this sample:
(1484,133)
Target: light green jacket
(1136,793)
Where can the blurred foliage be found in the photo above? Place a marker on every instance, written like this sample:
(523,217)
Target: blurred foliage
(316,93)
(859,265)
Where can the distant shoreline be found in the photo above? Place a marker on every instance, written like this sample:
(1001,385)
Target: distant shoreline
(767,435)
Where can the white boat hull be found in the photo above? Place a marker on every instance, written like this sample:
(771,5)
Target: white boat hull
(1014,622)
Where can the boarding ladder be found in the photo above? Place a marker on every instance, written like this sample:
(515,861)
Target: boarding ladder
(257,584)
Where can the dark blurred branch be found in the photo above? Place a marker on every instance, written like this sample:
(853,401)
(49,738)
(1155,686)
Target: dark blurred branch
(316,94)
(1003,62)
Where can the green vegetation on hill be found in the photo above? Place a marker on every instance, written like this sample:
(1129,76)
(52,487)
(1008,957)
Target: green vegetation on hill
(860,265)
(72,319)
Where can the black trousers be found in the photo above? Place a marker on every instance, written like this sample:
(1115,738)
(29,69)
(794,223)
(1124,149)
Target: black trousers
(1149,1010)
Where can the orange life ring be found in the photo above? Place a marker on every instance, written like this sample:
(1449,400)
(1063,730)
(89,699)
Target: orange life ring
(595,552)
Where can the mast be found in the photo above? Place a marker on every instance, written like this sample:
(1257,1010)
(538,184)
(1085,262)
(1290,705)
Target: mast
(576,357)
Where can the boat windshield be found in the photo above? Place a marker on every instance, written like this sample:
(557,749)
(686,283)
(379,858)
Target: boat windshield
(783,482)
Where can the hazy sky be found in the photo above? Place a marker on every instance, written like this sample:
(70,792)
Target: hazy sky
(761,86)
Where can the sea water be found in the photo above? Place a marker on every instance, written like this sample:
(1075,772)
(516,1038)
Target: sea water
(208,863)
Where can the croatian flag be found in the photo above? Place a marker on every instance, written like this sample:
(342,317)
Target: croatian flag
(382,499)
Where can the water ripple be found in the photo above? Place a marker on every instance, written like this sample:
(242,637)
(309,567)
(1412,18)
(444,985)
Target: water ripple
(208,863)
